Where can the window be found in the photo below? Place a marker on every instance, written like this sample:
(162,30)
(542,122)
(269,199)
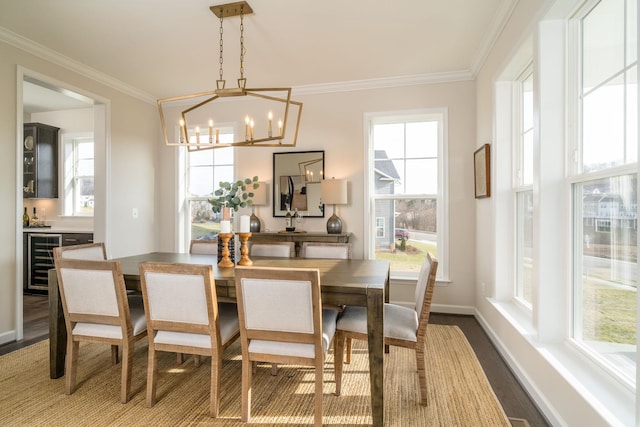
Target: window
(205,169)
(605,188)
(78,164)
(407,189)
(380,227)
(524,187)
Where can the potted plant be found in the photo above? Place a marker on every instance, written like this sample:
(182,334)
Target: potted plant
(234,195)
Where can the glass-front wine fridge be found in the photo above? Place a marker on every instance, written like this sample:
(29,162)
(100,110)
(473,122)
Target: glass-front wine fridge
(40,260)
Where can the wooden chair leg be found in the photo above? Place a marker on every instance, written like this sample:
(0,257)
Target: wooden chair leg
(114,354)
(318,397)
(348,360)
(179,358)
(274,369)
(338,360)
(246,390)
(214,398)
(127,365)
(71,365)
(196,360)
(152,377)
(422,372)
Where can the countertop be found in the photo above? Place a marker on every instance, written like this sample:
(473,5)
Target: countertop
(55,230)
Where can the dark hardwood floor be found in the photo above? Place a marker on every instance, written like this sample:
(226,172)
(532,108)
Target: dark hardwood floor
(514,399)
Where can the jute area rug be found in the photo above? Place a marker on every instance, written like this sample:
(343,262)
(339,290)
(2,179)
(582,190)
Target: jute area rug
(459,393)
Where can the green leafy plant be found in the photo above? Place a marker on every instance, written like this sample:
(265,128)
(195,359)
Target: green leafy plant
(234,195)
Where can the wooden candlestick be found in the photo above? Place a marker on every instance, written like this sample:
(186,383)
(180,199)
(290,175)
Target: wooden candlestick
(244,250)
(225,261)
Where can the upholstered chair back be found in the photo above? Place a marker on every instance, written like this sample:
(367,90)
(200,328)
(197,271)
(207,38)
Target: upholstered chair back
(274,250)
(325,250)
(90,251)
(204,247)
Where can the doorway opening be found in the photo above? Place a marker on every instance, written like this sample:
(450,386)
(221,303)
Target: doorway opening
(74,111)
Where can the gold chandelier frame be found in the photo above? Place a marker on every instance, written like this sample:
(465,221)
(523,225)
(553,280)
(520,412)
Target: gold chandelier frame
(279,95)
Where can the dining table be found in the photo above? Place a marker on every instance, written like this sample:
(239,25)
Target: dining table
(343,282)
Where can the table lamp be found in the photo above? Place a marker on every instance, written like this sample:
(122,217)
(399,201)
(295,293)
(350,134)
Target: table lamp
(334,192)
(259,199)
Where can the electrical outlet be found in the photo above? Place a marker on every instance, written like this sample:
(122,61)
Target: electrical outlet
(134,213)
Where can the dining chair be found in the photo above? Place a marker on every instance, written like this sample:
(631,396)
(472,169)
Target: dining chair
(89,251)
(205,247)
(183,315)
(273,249)
(403,327)
(96,252)
(282,321)
(97,310)
(325,250)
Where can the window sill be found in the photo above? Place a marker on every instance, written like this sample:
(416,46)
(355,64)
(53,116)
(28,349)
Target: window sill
(597,387)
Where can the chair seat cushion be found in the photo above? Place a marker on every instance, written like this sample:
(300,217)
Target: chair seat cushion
(399,322)
(329,317)
(138,322)
(229,327)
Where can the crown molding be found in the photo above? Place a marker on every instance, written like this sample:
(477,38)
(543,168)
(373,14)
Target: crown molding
(383,83)
(43,52)
(498,23)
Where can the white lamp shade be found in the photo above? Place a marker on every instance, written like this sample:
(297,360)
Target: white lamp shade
(260,194)
(334,191)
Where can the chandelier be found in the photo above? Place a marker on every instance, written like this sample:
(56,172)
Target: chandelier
(194,121)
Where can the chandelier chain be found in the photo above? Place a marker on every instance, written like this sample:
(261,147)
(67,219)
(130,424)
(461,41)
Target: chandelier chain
(242,49)
(221,46)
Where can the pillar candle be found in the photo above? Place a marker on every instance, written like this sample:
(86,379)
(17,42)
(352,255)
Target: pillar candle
(244,223)
(225,227)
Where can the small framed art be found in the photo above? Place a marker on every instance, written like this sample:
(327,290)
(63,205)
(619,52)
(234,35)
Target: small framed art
(482,171)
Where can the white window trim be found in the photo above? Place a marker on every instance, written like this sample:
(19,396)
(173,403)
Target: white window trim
(443,241)
(67,138)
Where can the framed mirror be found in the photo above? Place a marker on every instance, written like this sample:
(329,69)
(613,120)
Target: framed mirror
(296,183)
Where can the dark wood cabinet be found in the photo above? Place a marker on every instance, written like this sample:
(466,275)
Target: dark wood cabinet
(70,239)
(40,163)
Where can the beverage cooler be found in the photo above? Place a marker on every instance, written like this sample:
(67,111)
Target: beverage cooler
(39,257)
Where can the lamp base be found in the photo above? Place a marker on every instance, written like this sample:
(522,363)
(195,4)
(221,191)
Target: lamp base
(334,225)
(254,223)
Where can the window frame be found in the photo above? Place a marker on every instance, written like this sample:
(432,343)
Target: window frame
(576,176)
(71,176)
(439,115)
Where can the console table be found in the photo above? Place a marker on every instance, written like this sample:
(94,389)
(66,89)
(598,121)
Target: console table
(299,237)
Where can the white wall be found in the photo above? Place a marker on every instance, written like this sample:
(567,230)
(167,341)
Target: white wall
(334,122)
(133,137)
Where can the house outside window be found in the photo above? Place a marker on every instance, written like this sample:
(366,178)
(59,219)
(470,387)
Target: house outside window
(78,176)
(605,189)
(407,189)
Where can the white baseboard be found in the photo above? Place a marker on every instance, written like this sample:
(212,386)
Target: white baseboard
(8,336)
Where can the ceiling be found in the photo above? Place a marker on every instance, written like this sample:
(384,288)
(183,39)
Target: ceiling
(164,48)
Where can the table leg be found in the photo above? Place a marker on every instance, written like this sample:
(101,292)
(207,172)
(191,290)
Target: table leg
(375,322)
(57,329)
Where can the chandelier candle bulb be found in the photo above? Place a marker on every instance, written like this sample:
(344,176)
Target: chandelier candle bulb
(182,131)
(246,128)
(217,136)
(279,127)
(211,131)
(252,128)
(244,224)
(225,226)
(270,131)
(197,135)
